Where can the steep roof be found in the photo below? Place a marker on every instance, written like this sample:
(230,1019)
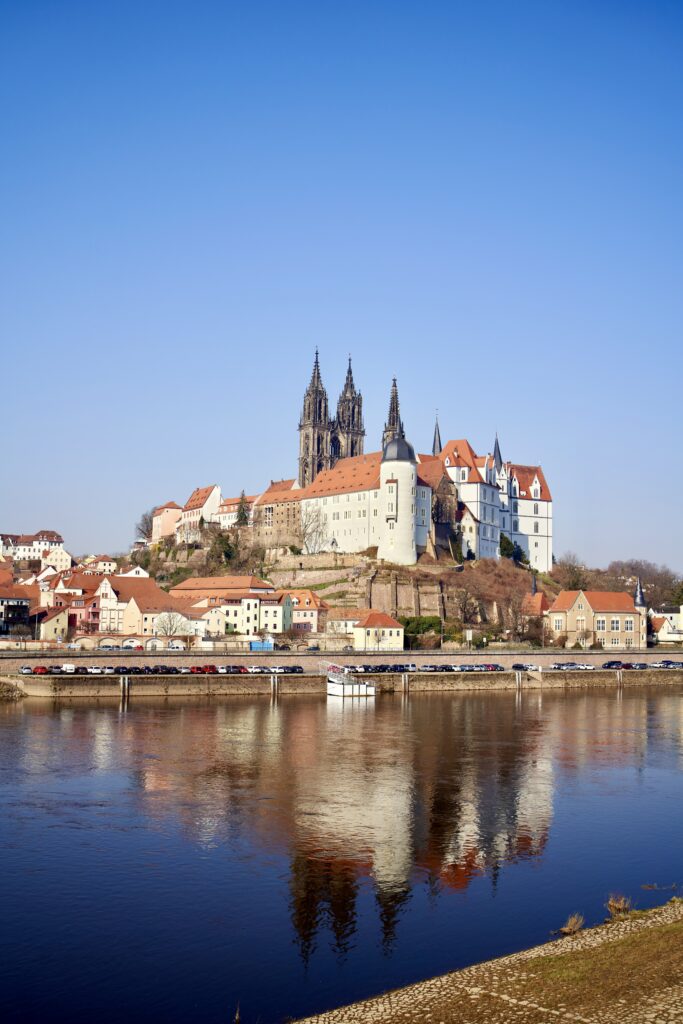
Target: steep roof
(162,508)
(525,478)
(198,498)
(280,491)
(598,600)
(534,605)
(657,622)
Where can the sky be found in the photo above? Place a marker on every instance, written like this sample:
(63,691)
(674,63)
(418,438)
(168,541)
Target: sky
(482,199)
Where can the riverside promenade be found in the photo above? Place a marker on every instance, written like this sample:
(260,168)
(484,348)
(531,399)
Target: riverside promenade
(629,971)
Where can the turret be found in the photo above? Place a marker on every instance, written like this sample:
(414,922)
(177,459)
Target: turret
(398,485)
(639,597)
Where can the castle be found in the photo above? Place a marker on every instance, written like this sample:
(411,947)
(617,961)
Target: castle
(399,502)
(395,501)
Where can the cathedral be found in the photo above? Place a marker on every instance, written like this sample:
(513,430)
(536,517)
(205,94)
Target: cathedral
(322,440)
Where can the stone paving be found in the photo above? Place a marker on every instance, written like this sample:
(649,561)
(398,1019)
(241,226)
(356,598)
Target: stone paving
(626,972)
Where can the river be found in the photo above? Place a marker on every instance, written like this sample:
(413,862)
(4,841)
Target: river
(172,860)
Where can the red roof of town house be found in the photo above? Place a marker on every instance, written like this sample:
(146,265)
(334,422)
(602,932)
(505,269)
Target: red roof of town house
(378,620)
(198,498)
(597,600)
(305,599)
(525,476)
(207,586)
(280,491)
(161,508)
(657,622)
(12,590)
(534,605)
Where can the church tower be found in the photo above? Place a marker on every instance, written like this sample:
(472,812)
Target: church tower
(348,430)
(314,430)
(393,427)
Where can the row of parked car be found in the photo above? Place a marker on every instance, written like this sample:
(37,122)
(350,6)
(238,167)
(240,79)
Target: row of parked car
(156,670)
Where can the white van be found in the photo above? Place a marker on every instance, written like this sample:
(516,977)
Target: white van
(69,669)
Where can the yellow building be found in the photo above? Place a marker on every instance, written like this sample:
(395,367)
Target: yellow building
(377,631)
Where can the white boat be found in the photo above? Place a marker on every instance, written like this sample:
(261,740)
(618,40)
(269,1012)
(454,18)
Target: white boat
(343,684)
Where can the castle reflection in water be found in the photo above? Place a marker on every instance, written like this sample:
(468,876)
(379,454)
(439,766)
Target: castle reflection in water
(431,790)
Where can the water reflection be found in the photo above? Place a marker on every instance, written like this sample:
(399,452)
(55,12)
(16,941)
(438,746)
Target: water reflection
(435,790)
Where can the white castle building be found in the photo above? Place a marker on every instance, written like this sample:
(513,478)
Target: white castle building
(401,503)
(395,501)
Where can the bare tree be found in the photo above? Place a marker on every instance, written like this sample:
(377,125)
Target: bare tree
(313,529)
(570,573)
(170,624)
(21,631)
(143,528)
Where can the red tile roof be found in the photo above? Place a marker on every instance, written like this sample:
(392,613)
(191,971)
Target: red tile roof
(378,620)
(534,605)
(198,498)
(160,508)
(525,478)
(217,584)
(597,600)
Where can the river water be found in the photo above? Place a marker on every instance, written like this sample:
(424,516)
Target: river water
(169,861)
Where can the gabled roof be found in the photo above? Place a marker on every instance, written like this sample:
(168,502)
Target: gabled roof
(657,622)
(280,491)
(305,599)
(378,620)
(534,605)
(199,497)
(162,508)
(525,476)
(597,600)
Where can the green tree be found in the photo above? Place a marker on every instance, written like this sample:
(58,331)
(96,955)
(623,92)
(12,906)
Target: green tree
(507,548)
(243,511)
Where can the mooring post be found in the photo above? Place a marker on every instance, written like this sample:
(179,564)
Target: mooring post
(405,685)
(273,686)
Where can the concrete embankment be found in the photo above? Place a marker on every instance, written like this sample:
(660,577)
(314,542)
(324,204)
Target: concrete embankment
(97,686)
(626,972)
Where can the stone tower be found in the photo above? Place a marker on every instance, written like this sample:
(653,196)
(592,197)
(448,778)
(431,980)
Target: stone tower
(348,430)
(315,430)
(393,427)
(398,519)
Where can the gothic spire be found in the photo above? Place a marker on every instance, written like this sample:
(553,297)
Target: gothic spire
(436,443)
(316,380)
(497,457)
(349,386)
(393,427)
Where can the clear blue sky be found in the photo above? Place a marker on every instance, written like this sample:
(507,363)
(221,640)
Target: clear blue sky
(481,198)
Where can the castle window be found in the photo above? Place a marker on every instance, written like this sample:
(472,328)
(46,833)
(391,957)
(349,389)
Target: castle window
(515,525)
(614,625)
(536,509)
(601,625)
(628,625)
(535,527)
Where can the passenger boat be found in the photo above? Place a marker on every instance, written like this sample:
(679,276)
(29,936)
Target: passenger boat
(341,683)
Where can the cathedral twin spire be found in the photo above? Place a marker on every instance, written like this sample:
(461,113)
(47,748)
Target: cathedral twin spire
(323,440)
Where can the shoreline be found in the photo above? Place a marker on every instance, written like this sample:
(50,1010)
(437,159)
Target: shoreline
(627,971)
(272,685)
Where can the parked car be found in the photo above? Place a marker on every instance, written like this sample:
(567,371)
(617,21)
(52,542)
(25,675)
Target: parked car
(492,667)
(612,664)
(55,670)
(209,670)
(39,670)
(313,647)
(347,649)
(297,668)
(427,668)
(94,670)
(523,666)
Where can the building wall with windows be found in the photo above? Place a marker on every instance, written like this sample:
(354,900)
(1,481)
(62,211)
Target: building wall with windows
(608,618)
